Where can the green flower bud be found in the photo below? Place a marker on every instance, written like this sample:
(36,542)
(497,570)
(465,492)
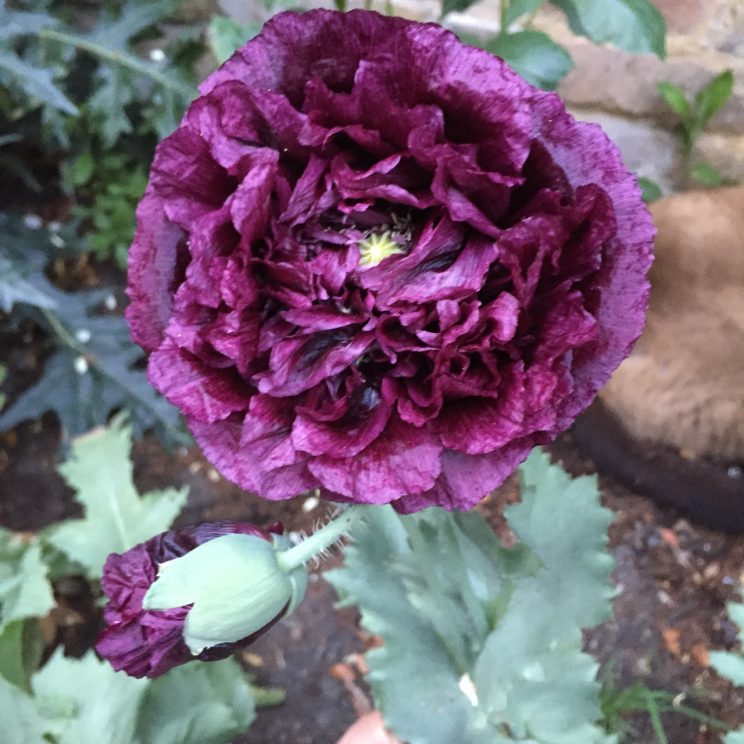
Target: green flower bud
(235,586)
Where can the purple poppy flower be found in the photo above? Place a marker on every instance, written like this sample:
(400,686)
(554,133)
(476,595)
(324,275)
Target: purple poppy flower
(375,261)
(147,643)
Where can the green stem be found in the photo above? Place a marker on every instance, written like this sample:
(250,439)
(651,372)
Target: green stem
(124,60)
(503,10)
(320,540)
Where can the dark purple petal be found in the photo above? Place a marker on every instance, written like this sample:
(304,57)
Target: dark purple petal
(373,260)
(148,643)
(402,460)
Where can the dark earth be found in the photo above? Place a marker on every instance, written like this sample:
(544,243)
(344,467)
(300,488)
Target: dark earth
(673,577)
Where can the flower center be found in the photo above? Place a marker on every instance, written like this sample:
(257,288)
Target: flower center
(377,247)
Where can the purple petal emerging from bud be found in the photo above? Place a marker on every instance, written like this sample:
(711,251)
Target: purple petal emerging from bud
(147,643)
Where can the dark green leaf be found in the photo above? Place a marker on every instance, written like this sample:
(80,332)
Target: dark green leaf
(634,25)
(706,175)
(448,6)
(713,97)
(533,55)
(116,516)
(92,373)
(226,36)
(517,8)
(676,99)
(19,23)
(20,283)
(36,82)
(650,189)
(21,647)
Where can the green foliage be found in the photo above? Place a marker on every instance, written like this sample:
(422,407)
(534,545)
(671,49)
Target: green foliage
(25,594)
(534,55)
(694,115)
(21,722)
(107,191)
(24,254)
(24,589)
(75,700)
(491,635)
(17,71)
(93,368)
(21,649)
(650,190)
(618,703)
(197,704)
(118,76)
(515,9)
(448,6)
(633,25)
(116,516)
(730,664)
(226,35)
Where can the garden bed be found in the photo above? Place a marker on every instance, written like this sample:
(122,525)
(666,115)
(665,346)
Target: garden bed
(673,577)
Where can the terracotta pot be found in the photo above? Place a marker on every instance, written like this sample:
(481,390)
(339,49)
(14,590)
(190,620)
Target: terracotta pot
(369,729)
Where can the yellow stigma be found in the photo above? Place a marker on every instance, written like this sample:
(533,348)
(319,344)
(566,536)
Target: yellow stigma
(377,248)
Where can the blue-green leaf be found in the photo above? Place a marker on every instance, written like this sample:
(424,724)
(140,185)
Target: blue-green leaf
(633,25)
(491,635)
(197,704)
(116,516)
(226,35)
(25,591)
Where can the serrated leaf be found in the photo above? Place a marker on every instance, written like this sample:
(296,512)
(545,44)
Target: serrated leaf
(534,55)
(23,256)
(24,588)
(18,283)
(713,97)
(19,22)
(728,665)
(116,516)
(675,98)
(79,701)
(124,76)
(491,636)
(83,699)
(21,722)
(197,704)
(538,640)
(518,8)
(36,82)
(92,373)
(226,35)
(633,25)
